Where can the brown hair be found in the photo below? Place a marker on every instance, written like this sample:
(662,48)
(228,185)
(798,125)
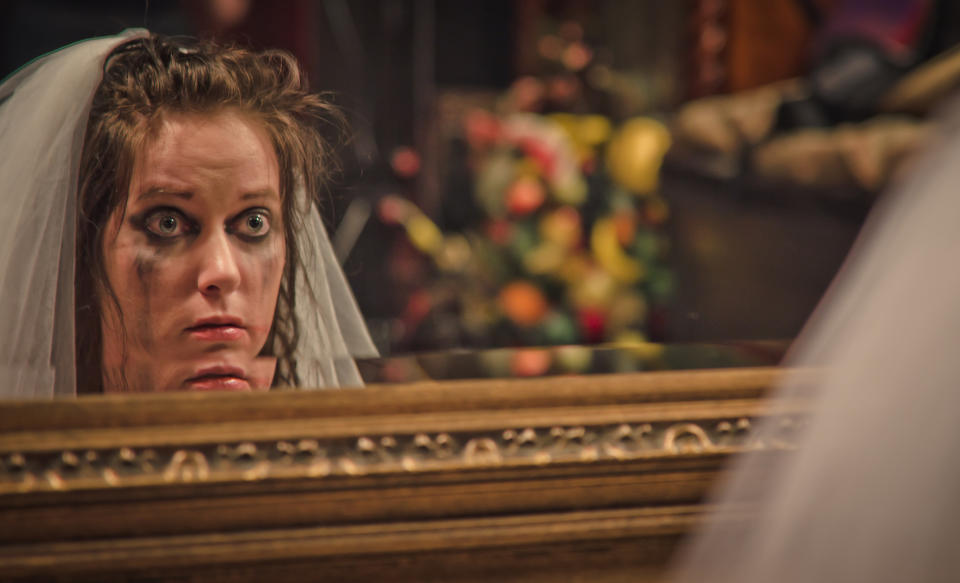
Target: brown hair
(147,77)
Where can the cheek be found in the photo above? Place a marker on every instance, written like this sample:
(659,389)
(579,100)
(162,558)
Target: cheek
(269,264)
(273,270)
(144,267)
(136,272)
(265,271)
(142,280)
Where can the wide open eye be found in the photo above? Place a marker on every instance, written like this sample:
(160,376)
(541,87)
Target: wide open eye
(253,223)
(166,223)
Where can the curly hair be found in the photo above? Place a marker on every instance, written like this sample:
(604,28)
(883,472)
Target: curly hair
(148,77)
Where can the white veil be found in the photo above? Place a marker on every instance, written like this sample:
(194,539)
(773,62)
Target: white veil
(43,114)
(332,331)
(873,494)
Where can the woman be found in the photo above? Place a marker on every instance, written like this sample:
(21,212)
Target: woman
(182,179)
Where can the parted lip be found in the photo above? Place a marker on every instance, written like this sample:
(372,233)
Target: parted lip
(218,371)
(213,321)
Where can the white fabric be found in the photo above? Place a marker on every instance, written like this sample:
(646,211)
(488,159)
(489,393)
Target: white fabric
(873,494)
(43,114)
(332,331)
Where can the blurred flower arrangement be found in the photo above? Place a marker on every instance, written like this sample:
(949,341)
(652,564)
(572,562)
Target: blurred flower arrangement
(567,243)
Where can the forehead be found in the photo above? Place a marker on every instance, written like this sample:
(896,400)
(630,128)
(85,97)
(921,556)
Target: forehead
(191,151)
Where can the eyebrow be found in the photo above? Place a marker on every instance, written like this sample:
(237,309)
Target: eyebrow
(159,190)
(187,195)
(265,193)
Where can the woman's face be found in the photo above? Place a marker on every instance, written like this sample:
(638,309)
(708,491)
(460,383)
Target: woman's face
(195,260)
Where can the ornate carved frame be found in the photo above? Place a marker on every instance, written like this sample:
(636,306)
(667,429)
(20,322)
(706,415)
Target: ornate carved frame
(465,480)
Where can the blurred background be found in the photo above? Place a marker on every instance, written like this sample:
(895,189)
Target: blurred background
(569,173)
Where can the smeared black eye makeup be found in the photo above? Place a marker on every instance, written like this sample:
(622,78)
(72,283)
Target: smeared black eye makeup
(164,223)
(252,224)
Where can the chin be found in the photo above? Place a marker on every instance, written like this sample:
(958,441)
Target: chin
(227,370)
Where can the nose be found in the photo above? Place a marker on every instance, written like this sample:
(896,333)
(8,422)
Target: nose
(219,272)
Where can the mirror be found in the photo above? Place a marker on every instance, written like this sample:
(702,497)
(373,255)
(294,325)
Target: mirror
(530,444)
(451,464)
(735,259)
(547,362)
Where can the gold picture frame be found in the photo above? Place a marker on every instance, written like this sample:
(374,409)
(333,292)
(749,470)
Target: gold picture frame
(508,480)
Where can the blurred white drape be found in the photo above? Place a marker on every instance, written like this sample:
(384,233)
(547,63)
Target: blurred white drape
(872,494)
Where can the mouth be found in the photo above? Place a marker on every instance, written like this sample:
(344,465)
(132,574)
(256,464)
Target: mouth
(217,329)
(219,378)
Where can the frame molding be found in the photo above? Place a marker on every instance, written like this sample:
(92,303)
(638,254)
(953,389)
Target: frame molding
(412,482)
